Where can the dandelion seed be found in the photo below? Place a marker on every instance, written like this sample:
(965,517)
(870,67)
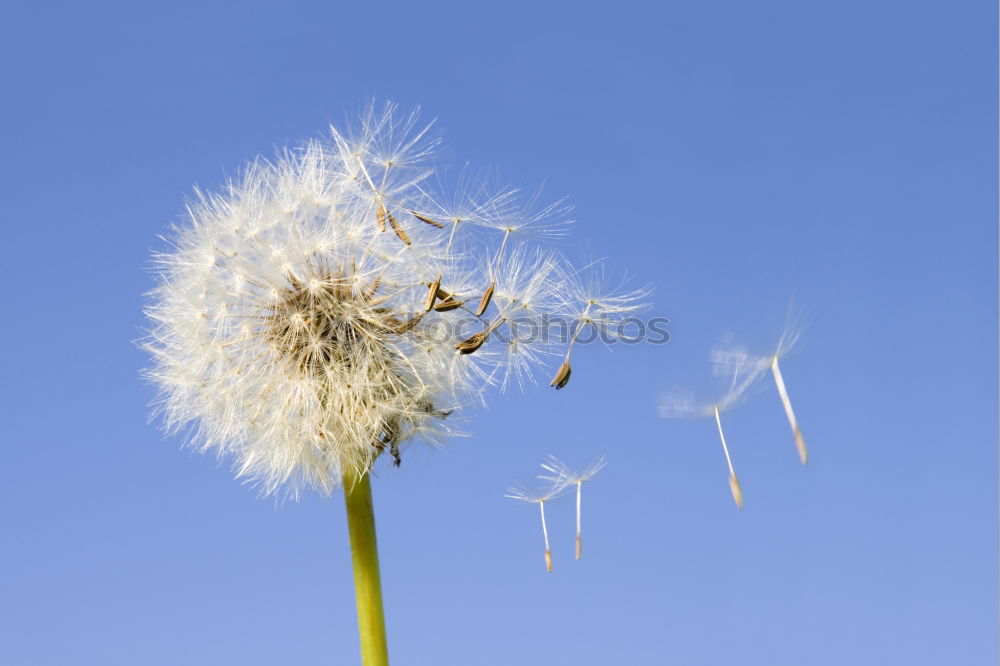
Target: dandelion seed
(477,199)
(380,215)
(398,230)
(521,215)
(409,323)
(472,343)
(432,293)
(593,305)
(800,441)
(744,373)
(540,498)
(528,295)
(545,533)
(369,293)
(562,476)
(729,357)
(562,375)
(448,304)
(734,483)
(427,220)
(484,302)
(789,336)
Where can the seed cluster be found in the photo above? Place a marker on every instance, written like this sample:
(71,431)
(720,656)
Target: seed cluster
(326,307)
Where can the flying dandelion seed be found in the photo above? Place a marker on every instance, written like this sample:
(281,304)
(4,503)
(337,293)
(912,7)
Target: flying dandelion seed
(728,357)
(540,498)
(800,441)
(597,306)
(562,476)
(789,336)
(744,372)
(734,482)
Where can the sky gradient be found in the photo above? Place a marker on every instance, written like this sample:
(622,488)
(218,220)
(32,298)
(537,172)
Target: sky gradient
(735,156)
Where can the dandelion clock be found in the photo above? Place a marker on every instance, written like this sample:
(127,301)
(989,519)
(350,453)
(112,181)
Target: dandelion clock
(327,308)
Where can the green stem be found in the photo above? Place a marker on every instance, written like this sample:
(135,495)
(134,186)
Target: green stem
(364,554)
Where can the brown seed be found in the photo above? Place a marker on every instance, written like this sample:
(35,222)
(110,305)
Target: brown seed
(484,302)
(472,343)
(448,304)
(432,294)
(562,376)
(409,323)
(427,220)
(373,287)
(398,230)
(380,216)
(442,294)
(734,487)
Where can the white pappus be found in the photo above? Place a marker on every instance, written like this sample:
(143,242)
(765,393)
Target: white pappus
(320,310)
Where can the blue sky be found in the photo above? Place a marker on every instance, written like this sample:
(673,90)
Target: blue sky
(733,155)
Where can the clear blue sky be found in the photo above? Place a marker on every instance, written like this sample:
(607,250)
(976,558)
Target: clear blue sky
(732,154)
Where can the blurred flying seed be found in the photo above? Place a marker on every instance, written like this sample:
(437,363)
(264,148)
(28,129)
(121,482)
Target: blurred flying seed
(800,441)
(734,486)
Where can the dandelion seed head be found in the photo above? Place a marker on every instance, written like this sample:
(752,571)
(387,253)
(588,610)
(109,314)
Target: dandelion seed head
(290,329)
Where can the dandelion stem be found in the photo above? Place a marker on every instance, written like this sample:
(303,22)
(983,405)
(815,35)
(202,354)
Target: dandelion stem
(800,441)
(545,533)
(579,492)
(364,554)
(734,484)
